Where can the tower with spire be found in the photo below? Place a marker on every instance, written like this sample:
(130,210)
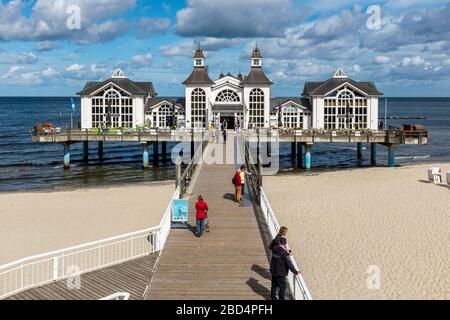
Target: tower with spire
(197,90)
(257,81)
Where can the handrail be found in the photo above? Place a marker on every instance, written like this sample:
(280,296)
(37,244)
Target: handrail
(45,268)
(297,284)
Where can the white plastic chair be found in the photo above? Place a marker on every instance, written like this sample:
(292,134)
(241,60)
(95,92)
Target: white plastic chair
(434,174)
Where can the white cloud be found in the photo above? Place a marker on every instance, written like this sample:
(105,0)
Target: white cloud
(413,61)
(45,46)
(142,60)
(75,68)
(234,19)
(48,20)
(148,27)
(382,59)
(17,58)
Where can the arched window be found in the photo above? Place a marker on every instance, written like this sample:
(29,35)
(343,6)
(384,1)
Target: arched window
(256,109)
(292,118)
(228,96)
(114,110)
(345,109)
(198,108)
(162,116)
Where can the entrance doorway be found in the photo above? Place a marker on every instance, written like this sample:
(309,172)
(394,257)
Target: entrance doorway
(230,122)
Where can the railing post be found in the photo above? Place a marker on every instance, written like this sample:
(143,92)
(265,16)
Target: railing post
(21,276)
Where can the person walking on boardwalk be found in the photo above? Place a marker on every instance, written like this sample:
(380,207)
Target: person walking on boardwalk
(237,181)
(201,216)
(225,135)
(244,173)
(279,268)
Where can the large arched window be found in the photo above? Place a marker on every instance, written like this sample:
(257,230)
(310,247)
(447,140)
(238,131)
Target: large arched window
(256,109)
(162,116)
(114,104)
(198,108)
(292,118)
(228,96)
(346,109)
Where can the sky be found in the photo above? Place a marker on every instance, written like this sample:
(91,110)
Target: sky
(53,47)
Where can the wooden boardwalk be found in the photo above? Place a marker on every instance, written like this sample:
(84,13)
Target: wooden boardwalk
(132,277)
(230,262)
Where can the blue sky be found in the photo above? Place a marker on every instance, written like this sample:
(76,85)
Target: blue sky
(406,52)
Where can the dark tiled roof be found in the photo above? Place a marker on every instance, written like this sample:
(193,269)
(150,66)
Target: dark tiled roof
(199,76)
(322,88)
(257,76)
(178,101)
(256,54)
(134,88)
(276,102)
(199,54)
(240,77)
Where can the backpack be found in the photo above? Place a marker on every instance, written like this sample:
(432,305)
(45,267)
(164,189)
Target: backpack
(233,181)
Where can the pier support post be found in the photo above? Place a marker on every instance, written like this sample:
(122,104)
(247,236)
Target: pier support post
(391,155)
(308,157)
(373,154)
(100,150)
(155,153)
(164,151)
(66,155)
(360,151)
(85,151)
(293,150)
(300,155)
(145,156)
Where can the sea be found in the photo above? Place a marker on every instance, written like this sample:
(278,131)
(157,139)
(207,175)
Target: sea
(26,166)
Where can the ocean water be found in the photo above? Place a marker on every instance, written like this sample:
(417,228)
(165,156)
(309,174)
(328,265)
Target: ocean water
(25,165)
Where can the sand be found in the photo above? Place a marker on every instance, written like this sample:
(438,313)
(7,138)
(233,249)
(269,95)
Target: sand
(35,223)
(343,222)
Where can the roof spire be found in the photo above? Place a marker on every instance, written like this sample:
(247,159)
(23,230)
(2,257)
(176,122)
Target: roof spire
(119,74)
(199,57)
(340,74)
(256,57)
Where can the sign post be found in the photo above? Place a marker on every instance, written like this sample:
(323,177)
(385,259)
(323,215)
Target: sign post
(180,214)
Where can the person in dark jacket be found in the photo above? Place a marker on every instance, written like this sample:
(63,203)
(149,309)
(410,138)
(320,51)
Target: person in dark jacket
(279,268)
(276,242)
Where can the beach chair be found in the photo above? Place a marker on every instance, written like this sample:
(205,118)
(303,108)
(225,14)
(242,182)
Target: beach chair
(448,179)
(434,174)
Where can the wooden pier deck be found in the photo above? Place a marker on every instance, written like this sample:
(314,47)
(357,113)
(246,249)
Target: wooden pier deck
(230,262)
(132,277)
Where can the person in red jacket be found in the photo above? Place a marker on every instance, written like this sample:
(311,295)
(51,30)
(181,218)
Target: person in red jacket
(238,187)
(201,216)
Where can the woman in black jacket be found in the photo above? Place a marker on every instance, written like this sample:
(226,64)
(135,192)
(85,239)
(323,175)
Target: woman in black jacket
(280,266)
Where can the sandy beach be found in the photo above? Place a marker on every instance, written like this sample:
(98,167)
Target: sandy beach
(35,223)
(343,222)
